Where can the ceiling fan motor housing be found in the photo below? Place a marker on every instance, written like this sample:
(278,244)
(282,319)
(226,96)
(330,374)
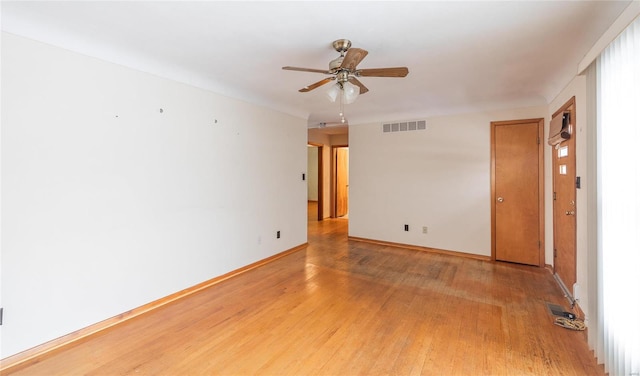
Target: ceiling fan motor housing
(335,64)
(340,45)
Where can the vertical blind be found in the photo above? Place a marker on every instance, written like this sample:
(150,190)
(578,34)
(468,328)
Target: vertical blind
(619,204)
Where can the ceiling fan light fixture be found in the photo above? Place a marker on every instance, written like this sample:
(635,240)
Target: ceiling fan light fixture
(333,92)
(350,91)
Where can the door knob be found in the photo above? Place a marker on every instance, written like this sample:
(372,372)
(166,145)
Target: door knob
(500,199)
(570,212)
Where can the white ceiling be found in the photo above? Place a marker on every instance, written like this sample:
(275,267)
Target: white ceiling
(462,56)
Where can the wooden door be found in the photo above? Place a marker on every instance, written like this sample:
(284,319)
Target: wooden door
(564,205)
(517,171)
(342,181)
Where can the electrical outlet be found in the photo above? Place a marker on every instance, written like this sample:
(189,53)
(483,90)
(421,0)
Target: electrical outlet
(278,234)
(406,227)
(425,229)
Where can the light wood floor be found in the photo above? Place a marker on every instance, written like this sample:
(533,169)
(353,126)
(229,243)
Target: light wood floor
(346,308)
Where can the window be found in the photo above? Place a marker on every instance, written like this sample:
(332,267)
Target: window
(618,101)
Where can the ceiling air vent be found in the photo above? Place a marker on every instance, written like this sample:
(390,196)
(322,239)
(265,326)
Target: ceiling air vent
(415,125)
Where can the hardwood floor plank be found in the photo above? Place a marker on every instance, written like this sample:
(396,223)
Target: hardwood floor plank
(344,307)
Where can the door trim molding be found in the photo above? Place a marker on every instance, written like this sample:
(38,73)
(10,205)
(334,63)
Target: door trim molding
(334,178)
(494,124)
(320,179)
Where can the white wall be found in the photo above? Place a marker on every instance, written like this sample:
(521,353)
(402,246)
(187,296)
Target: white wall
(312,173)
(439,178)
(108,204)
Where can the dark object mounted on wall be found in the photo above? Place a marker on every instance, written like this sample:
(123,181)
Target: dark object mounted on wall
(560,128)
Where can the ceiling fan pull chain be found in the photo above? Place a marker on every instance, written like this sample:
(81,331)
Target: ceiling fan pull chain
(342,119)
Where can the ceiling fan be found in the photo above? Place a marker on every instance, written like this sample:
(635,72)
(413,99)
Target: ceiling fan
(344,69)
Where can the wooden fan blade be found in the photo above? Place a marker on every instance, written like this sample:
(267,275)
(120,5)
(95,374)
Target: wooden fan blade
(383,72)
(317,84)
(353,57)
(306,70)
(355,81)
